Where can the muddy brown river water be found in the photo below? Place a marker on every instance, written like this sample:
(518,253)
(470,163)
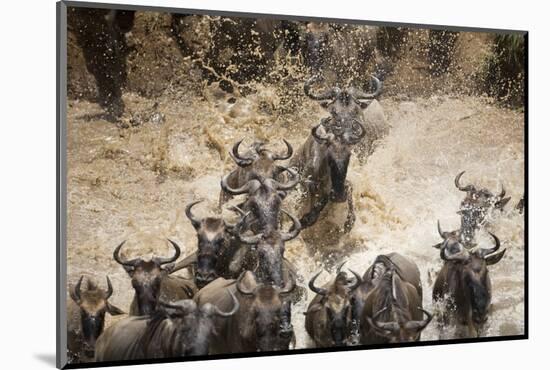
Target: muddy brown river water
(133,184)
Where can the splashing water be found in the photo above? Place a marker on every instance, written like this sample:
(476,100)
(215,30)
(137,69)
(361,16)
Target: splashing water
(134,184)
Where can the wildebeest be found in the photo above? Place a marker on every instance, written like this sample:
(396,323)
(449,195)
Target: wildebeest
(322,162)
(101,35)
(257,163)
(329,314)
(476,206)
(218,252)
(259,324)
(270,266)
(392,306)
(86,317)
(177,329)
(346,111)
(464,283)
(264,198)
(151,281)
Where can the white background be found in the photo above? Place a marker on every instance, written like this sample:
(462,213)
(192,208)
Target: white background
(27,154)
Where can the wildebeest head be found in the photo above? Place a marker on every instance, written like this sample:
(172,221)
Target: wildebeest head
(395,321)
(344,105)
(336,303)
(213,239)
(93,303)
(337,152)
(267,327)
(195,325)
(476,206)
(471,266)
(264,197)
(270,248)
(259,158)
(147,276)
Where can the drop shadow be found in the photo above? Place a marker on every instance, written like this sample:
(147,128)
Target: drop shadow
(46,358)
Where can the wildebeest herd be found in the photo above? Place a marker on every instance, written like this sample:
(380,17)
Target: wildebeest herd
(242,289)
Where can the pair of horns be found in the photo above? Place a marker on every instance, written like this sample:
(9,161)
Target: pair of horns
(332,93)
(482,252)
(157,260)
(393,328)
(76,293)
(243,161)
(252,185)
(255,239)
(354,139)
(471,188)
(324,292)
(287,289)
(189,306)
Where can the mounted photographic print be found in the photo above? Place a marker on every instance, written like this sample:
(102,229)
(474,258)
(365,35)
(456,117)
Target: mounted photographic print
(234,185)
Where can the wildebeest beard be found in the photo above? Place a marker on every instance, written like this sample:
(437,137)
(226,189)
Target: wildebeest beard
(338,165)
(270,264)
(338,325)
(271,333)
(479,295)
(92,326)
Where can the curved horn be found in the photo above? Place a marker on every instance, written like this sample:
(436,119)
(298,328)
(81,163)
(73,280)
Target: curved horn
(290,184)
(502,191)
(289,152)
(196,222)
(75,293)
(385,327)
(419,325)
(358,280)
(162,260)
(240,212)
(243,189)
(242,289)
(357,138)
(234,310)
(109,288)
(250,240)
(487,251)
(294,229)
(315,289)
(187,306)
(378,89)
(116,256)
(339,268)
(460,187)
(240,160)
(327,95)
(289,286)
(442,234)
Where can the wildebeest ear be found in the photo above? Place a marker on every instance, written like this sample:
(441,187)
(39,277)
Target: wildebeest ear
(438,245)
(501,203)
(324,104)
(129,269)
(364,104)
(168,267)
(316,307)
(114,310)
